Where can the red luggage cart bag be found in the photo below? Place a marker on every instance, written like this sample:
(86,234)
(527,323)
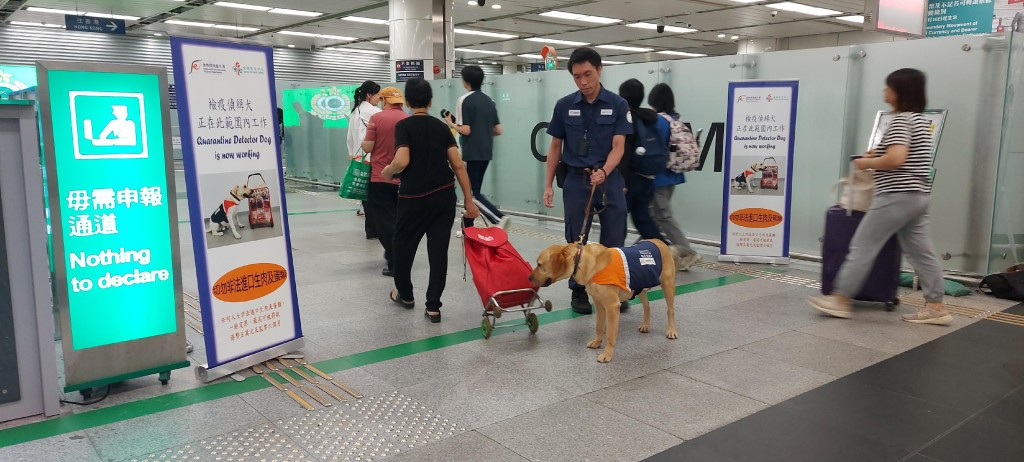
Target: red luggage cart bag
(770,175)
(260,213)
(497,267)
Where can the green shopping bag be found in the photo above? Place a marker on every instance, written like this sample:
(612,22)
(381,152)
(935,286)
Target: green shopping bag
(356,181)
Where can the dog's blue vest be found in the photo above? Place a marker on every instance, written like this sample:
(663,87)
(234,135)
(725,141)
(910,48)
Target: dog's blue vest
(633,268)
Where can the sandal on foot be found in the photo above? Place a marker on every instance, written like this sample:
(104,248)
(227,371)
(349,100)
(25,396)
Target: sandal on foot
(435,316)
(407,304)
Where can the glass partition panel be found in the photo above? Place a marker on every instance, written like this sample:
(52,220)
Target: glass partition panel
(701,88)
(818,154)
(315,131)
(967,77)
(1007,240)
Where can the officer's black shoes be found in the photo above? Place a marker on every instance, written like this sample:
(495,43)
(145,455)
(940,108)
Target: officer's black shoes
(623,307)
(580,302)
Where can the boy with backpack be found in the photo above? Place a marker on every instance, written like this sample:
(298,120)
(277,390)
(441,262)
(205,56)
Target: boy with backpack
(646,155)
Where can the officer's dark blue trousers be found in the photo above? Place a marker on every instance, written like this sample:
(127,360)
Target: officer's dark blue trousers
(613,218)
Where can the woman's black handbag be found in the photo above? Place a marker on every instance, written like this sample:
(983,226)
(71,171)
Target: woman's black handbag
(1009,286)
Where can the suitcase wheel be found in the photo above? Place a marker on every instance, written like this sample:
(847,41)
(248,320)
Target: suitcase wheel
(532,322)
(889,306)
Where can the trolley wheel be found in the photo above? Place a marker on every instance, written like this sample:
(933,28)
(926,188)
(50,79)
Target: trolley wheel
(532,322)
(547,305)
(165,377)
(496,311)
(486,326)
(86,393)
(889,306)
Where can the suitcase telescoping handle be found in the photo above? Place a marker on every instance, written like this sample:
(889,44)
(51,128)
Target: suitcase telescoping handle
(766,159)
(255,174)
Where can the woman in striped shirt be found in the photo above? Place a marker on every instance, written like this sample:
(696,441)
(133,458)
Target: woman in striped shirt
(902,165)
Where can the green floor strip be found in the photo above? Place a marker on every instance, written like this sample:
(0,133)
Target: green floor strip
(131,410)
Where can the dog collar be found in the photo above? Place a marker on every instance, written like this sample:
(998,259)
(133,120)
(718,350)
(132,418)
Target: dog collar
(239,199)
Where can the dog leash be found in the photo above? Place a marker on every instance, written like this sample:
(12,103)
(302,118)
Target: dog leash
(583,229)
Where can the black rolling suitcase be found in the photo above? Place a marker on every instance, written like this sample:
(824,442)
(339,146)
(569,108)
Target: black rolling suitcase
(883,282)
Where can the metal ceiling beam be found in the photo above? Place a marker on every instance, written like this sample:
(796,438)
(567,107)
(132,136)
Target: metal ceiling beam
(318,19)
(9,7)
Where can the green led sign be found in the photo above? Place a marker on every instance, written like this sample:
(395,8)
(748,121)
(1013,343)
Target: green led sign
(110,166)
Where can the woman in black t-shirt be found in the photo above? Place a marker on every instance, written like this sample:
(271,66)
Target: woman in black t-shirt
(430,162)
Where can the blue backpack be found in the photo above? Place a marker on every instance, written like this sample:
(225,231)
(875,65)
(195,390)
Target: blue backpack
(650,154)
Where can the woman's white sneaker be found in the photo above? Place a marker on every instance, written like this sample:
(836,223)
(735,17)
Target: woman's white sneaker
(929,316)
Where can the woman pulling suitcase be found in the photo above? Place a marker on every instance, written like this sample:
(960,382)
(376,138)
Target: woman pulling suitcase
(902,167)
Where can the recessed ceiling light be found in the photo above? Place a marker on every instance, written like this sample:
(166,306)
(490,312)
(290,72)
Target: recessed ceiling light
(625,48)
(37,9)
(746,1)
(489,52)
(721,35)
(337,37)
(471,3)
(187,23)
(580,17)
(857,19)
(243,6)
(37,24)
(113,16)
(238,28)
(484,33)
(382,42)
(497,7)
(312,35)
(735,37)
(157,34)
(360,50)
(603,61)
(804,9)
(652,26)
(311,14)
(291,46)
(365,20)
(295,32)
(682,53)
(557,42)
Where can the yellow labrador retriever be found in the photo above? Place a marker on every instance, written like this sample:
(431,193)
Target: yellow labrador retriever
(590,265)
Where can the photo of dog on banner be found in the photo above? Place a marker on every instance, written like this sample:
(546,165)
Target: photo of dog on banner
(756,176)
(252,198)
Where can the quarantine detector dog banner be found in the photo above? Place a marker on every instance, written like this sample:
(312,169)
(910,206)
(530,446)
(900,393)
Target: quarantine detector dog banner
(759,169)
(230,146)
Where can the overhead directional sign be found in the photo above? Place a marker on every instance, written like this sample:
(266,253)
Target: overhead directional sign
(99,25)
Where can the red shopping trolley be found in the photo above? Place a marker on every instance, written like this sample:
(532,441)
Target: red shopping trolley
(260,213)
(502,278)
(770,175)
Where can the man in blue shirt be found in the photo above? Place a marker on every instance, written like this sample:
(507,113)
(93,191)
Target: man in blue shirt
(588,130)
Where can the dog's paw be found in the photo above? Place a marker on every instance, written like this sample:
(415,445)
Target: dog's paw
(645,328)
(672,335)
(605,357)
(241,225)
(218,233)
(596,343)
(238,236)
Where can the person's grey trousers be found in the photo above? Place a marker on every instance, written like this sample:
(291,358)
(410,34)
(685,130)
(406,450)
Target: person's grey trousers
(661,210)
(906,215)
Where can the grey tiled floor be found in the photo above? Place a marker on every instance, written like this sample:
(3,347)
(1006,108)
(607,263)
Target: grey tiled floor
(742,348)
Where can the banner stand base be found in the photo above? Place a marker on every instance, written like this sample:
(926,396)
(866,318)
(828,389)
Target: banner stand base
(753,259)
(204,374)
